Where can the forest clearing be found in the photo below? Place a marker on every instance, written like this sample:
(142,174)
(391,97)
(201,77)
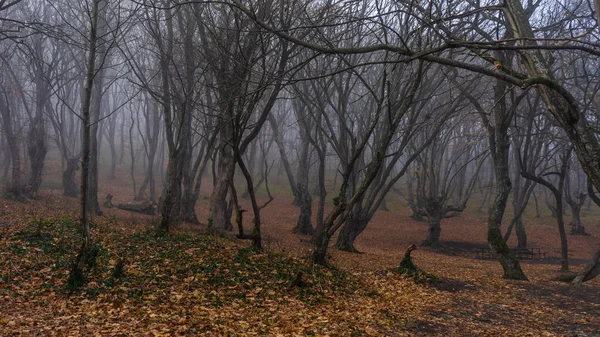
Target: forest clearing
(194,284)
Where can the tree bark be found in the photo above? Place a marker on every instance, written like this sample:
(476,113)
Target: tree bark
(560,102)
(95,115)
(7,160)
(111,138)
(351,229)
(70,188)
(85,146)
(218,221)
(509,262)
(576,204)
(256,231)
(521,233)
(434,231)
(577,227)
(564,247)
(499,142)
(590,271)
(304,224)
(558,199)
(16,186)
(36,137)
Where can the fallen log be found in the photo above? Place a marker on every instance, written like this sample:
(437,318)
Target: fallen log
(144,208)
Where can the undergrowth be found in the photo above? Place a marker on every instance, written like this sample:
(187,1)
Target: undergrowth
(140,266)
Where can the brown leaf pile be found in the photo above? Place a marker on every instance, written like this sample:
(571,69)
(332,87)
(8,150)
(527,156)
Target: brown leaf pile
(190,284)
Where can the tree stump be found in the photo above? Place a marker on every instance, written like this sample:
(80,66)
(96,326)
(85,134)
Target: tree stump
(108,201)
(297,281)
(407,264)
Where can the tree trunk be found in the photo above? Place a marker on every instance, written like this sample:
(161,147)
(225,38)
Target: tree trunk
(320,252)
(304,225)
(92,197)
(7,160)
(188,197)
(218,221)
(141,192)
(256,231)
(558,193)
(85,146)
(564,248)
(434,231)
(68,178)
(132,158)
(499,143)
(351,229)
(113,150)
(537,207)
(171,196)
(95,115)
(590,271)
(577,227)
(122,142)
(303,196)
(15,186)
(517,223)
(283,158)
(322,193)
(37,155)
(560,102)
(509,262)
(251,165)
(576,204)
(521,233)
(552,209)
(36,137)
(188,207)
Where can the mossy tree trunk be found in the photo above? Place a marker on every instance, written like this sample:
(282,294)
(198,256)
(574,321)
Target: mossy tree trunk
(499,144)
(354,225)
(76,273)
(343,203)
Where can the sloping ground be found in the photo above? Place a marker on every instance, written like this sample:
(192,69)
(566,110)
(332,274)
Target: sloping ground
(191,284)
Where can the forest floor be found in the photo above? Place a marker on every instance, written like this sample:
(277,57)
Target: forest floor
(192,284)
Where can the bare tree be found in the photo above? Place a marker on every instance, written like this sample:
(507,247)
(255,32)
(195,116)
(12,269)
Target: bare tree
(526,140)
(575,196)
(442,193)
(556,186)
